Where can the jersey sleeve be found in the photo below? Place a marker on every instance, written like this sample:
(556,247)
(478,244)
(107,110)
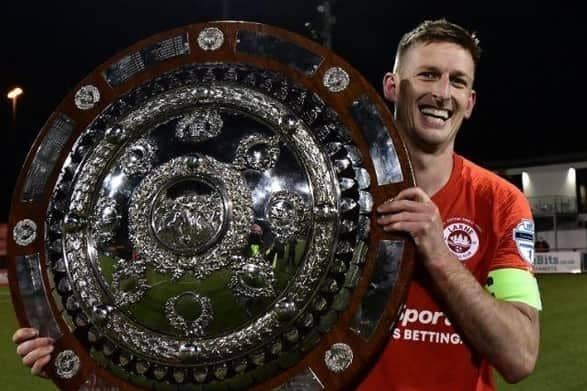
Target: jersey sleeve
(510,276)
(514,229)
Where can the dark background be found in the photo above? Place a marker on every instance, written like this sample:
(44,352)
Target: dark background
(530,83)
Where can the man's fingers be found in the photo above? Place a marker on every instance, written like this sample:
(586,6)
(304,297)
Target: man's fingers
(23,334)
(402,216)
(26,347)
(36,354)
(407,198)
(412,193)
(38,366)
(411,227)
(401,205)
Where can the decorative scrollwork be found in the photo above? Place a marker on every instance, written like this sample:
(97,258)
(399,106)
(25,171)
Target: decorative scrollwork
(175,249)
(287,214)
(138,157)
(199,125)
(257,152)
(196,327)
(128,282)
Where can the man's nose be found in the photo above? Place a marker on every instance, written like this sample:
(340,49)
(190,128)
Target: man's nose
(442,87)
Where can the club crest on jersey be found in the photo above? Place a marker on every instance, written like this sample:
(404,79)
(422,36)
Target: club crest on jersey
(523,235)
(461,238)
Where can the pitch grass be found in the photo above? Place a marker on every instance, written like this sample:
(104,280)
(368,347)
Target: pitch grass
(562,364)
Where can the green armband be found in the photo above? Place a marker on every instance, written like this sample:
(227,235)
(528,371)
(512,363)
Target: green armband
(514,285)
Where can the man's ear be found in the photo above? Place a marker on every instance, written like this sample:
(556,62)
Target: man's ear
(390,87)
(470,104)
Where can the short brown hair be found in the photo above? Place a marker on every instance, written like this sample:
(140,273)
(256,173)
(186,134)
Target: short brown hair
(440,30)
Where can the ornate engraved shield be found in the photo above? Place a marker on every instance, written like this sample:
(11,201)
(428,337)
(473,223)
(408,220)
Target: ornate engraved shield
(198,214)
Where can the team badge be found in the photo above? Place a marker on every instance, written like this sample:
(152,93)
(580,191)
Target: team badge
(462,239)
(523,235)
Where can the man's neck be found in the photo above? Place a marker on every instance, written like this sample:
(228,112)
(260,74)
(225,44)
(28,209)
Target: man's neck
(432,170)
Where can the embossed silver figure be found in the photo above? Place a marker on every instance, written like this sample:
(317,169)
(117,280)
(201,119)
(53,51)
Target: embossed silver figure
(24,232)
(67,364)
(336,79)
(86,97)
(199,125)
(339,357)
(210,38)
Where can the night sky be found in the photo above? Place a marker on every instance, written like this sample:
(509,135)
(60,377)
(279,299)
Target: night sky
(530,83)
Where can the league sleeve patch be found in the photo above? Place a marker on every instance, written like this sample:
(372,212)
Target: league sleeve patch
(523,235)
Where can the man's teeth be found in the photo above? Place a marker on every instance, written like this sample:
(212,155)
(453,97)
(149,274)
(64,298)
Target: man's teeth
(438,113)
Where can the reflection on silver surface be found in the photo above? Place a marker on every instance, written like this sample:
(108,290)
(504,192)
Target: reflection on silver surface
(389,256)
(383,154)
(24,232)
(106,220)
(210,38)
(86,97)
(339,357)
(336,79)
(45,158)
(265,45)
(304,381)
(363,178)
(34,298)
(366,202)
(67,364)
(253,278)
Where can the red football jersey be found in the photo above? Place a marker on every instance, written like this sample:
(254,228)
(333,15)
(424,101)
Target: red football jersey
(487,225)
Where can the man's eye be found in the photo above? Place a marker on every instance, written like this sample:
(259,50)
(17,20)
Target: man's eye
(428,75)
(460,83)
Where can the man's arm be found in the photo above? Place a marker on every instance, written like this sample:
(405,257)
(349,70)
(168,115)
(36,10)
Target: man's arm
(505,333)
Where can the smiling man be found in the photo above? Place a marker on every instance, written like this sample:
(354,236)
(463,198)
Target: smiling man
(473,303)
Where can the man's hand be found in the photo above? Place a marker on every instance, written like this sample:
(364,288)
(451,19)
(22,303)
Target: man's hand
(34,350)
(412,211)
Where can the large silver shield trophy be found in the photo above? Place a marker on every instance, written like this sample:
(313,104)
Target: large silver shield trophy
(198,214)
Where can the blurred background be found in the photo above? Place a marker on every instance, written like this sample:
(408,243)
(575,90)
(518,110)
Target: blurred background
(527,124)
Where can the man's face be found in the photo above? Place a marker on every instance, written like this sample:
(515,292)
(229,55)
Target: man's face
(432,91)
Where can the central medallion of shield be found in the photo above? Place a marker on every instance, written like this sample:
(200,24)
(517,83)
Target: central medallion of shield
(187,216)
